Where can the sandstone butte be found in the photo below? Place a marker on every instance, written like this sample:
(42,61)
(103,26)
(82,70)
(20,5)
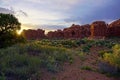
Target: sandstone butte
(33,34)
(97,30)
(114,29)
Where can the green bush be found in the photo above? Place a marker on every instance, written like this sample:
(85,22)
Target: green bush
(110,61)
(82,55)
(86,68)
(2,76)
(113,58)
(86,48)
(21,61)
(59,43)
(102,52)
(21,66)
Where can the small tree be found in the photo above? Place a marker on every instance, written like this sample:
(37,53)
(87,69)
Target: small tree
(9,25)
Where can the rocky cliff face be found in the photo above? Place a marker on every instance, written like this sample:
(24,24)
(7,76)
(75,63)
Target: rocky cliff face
(55,34)
(73,32)
(77,31)
(86,30)
(33,34)
(97,30)
(114,29)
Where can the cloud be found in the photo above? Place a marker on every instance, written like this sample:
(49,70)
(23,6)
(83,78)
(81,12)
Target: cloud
(92,10)
(73,20)
(108,13)
(56,4)
(47,28)
(63,12)
(44,11)
(12,11)
(21,13)
(52,27)
(7,11)
(29,26)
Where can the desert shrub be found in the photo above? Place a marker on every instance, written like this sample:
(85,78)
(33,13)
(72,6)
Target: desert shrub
(107,68)
(81,55)
(86,48)
(102,52)
(86,68)
(52,57)
(59,43)
(79,42)
(112,60)
(2,76)
(105,43)
(109,44)
(76,43)
(19,66)
(21,61)
(83,41)
(68,43)
(99,42)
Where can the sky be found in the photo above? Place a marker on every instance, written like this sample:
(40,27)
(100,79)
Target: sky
(58,14)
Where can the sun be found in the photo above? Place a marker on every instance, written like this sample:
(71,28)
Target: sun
(19,32)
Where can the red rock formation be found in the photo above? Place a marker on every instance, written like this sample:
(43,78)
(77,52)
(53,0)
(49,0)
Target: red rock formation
(55,34)
(98,29)
(86,30)
(33,34)
(50,34)
(73,32)
(77,31)
(114,29)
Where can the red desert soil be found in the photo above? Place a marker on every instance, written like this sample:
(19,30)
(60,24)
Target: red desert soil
(74,72)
